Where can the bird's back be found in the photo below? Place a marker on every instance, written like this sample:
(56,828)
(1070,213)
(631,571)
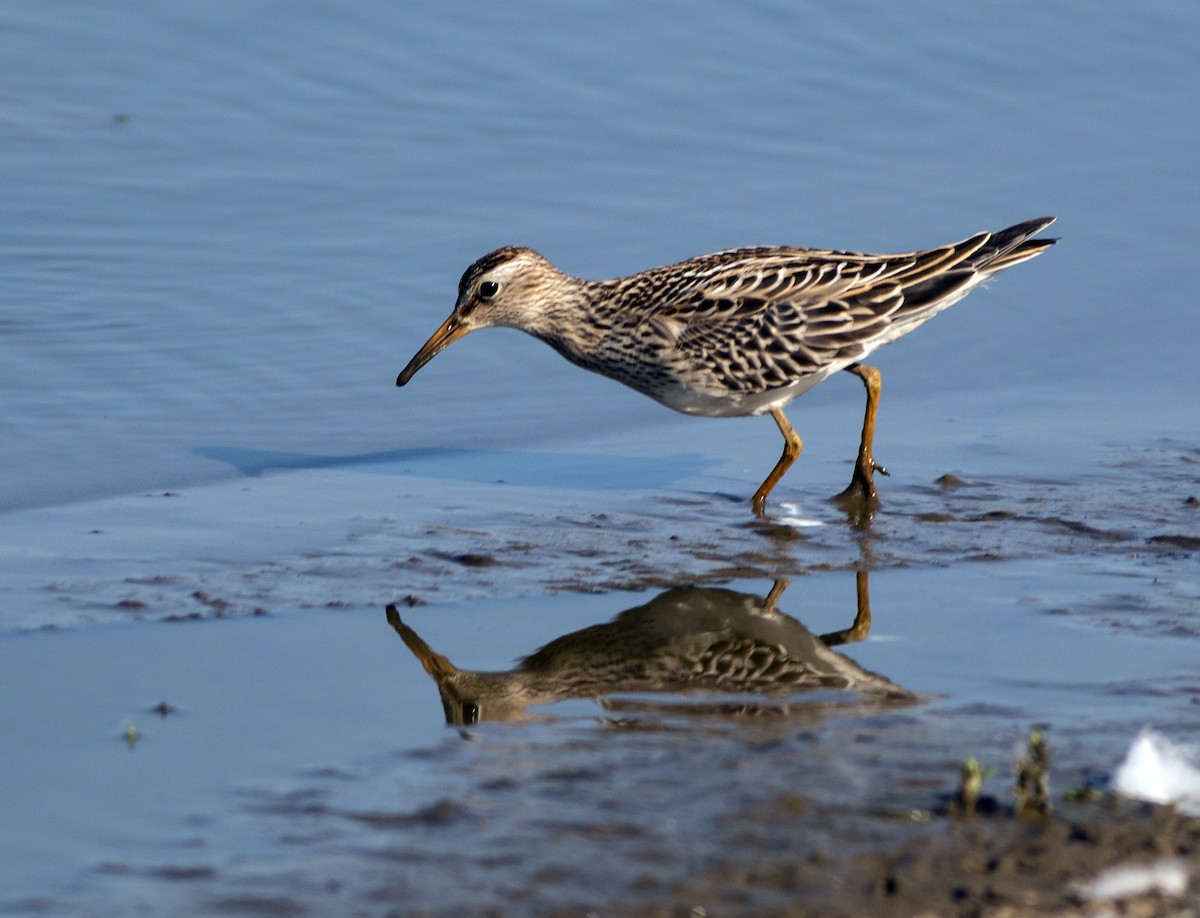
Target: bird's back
(738,331)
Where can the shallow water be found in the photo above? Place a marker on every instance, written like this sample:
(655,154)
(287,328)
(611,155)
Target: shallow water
(305,765)
(228,228)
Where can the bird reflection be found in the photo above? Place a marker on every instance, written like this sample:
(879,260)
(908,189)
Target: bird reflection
(686,641)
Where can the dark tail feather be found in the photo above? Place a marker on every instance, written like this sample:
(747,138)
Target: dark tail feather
(1000,250)
(1008,247)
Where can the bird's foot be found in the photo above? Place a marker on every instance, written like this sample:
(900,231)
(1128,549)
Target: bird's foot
(860,500)
(862,484)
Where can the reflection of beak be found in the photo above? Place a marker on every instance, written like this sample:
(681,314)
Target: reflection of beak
(450,332)
(435,664)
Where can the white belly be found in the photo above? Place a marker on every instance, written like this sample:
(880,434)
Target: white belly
(729,404)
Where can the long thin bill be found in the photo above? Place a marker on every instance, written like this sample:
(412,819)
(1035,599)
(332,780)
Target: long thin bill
(450,331)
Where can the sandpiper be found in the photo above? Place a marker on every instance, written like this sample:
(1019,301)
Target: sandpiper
(737,332)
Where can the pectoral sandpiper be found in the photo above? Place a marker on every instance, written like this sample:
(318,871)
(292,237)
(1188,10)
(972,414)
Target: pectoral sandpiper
(738,332)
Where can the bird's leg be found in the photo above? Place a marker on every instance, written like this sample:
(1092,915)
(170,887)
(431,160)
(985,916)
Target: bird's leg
(862,485)
(792,444)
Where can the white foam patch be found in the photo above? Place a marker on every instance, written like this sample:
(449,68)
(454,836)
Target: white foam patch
(1166,877)
(1159,770)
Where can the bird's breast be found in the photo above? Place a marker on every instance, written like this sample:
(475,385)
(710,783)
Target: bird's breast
(707,388)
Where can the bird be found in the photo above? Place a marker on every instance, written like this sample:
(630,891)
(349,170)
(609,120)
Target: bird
(686,641)
(739,332)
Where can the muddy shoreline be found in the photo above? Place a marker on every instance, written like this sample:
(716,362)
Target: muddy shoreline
(293,755)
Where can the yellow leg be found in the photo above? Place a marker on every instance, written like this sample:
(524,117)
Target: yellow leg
(862,485)
(792,444)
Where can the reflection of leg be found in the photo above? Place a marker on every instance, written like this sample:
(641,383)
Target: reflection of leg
(863,483)
(771,603)
(862,617)
(792,444)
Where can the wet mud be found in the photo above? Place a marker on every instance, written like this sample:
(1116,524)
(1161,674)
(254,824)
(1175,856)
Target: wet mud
(789,715)
(1132,512)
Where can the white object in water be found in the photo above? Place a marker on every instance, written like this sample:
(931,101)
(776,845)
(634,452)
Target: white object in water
(1161,771)
(1166,877)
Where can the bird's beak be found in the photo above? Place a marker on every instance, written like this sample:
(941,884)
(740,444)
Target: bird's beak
(452,329)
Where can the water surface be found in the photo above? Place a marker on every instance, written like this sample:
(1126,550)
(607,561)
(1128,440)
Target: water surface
(228,227)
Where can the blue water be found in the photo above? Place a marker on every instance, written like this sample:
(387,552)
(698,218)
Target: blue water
(225,227)
(229,226)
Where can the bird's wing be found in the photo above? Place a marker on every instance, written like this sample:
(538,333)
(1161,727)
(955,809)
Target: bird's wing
(761,318)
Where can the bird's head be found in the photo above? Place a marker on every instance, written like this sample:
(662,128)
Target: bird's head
(513,287)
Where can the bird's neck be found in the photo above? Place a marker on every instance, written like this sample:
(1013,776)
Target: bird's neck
(574,320)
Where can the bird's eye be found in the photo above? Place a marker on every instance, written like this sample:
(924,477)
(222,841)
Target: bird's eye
(488,289)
